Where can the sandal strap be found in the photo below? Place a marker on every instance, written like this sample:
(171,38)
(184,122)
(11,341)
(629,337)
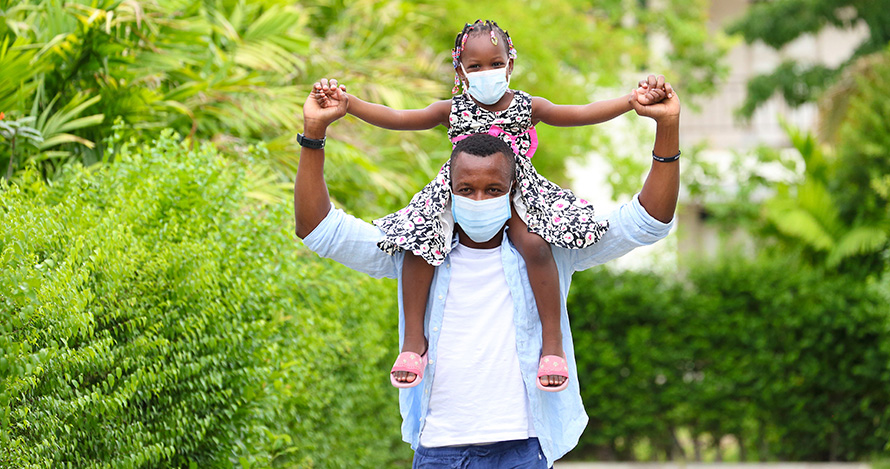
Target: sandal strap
(553,365)
(410,362)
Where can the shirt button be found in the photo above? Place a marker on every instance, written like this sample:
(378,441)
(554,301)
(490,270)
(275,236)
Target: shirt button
(432,362)
(435,329)
(440,297)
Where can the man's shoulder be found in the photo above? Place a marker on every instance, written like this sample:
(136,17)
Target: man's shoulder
(352,242)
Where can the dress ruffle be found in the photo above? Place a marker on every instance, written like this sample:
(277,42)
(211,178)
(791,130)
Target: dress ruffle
(554,213)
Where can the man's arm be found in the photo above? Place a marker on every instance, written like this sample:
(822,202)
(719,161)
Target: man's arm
(662,186)
(311,200)
(648,217)
(333,234)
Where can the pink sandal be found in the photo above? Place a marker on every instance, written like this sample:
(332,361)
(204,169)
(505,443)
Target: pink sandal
(552,365)
(412,363)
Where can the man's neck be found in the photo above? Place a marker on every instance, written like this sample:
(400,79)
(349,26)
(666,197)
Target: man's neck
(491,243)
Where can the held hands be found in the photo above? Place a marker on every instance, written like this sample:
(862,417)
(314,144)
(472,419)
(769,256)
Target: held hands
(653,89)
(656,99)
(326,103)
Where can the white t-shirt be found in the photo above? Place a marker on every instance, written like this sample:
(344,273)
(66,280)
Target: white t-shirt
(478,395)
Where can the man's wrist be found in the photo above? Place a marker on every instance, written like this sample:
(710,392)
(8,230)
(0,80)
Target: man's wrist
(673,120)
(314,129)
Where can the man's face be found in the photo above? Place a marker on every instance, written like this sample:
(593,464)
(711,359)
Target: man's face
(480,178)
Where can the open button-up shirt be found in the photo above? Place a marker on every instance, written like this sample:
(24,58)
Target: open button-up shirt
(559,417)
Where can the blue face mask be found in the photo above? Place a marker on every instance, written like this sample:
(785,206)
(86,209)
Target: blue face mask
(487,86)
(481,219)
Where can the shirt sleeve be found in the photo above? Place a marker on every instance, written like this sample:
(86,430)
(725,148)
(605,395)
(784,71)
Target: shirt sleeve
(353,243)
(630,226)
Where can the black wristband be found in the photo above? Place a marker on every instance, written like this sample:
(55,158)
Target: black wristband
(665,160)
(312,143)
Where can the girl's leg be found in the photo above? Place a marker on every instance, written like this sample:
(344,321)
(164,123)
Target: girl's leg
(544,279)
(417,277)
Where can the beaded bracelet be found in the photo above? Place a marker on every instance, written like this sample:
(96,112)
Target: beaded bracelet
(666,160)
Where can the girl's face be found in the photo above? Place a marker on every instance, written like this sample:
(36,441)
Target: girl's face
(480,54)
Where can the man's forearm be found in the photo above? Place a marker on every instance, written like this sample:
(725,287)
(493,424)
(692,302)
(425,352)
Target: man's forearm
(662,186)
(311,199)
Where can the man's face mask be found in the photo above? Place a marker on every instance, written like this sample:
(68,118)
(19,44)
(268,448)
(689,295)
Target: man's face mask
(487,86)
(481,219)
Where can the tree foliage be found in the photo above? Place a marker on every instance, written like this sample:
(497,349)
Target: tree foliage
(777,23)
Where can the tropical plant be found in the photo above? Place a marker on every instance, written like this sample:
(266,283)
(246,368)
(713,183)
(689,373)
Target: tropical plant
(236,71)
(808,215)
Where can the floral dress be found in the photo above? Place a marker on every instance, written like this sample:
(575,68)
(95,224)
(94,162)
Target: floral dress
(425,225)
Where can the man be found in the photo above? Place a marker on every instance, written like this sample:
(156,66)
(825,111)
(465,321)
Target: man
(478,405)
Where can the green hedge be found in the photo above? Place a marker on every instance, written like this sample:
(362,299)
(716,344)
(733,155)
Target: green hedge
(150,316)
(792,363)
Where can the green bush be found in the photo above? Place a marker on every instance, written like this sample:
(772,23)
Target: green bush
(793,363)
(151,317)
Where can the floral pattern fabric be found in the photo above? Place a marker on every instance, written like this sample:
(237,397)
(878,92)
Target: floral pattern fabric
(556,214)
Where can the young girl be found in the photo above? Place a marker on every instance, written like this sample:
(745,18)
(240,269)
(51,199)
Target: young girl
(543,212)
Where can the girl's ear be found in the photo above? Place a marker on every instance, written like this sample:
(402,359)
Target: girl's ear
(510,67)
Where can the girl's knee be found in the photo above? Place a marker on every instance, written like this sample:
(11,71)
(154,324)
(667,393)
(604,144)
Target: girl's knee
(533,248)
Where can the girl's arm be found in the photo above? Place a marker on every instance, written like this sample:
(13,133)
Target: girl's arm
(576,115)
(650,90)
(408,119)
(386,117)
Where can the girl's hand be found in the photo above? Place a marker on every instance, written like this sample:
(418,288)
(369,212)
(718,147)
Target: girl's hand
(326,89)
(653,90)
(326,103)
(667,108)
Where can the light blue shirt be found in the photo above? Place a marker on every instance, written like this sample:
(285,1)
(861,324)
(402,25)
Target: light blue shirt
(559,417)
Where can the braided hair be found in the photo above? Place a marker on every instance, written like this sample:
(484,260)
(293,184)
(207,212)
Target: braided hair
(477,28)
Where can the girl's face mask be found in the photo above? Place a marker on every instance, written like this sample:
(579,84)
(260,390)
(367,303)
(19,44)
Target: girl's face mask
(487,86)
(481,219)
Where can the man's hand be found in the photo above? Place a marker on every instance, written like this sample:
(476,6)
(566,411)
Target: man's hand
(662,111)
(326,103)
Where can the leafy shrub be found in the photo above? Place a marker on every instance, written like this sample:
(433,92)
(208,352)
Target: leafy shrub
(793,363)
(150,317)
